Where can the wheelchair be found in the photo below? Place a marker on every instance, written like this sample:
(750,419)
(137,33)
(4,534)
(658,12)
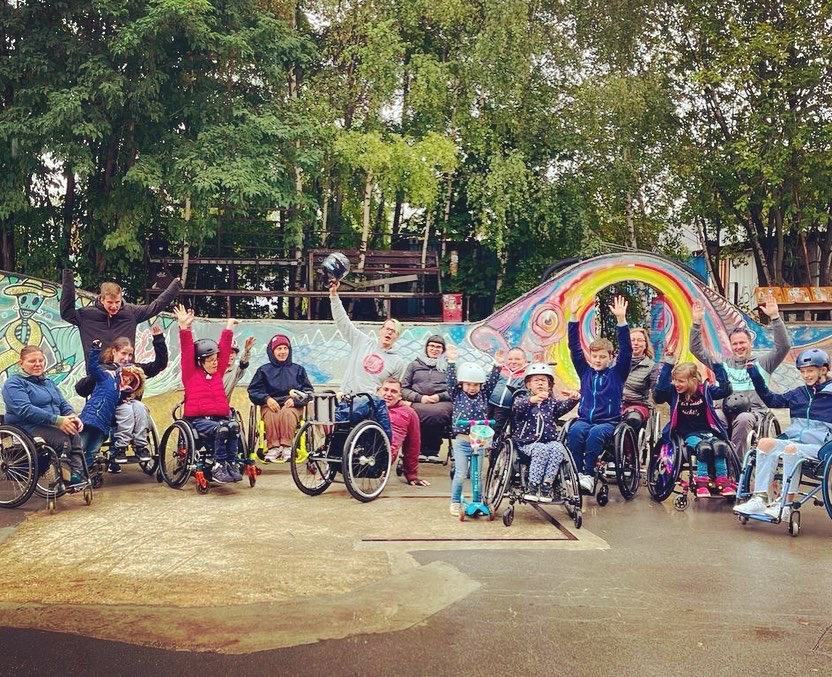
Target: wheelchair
(815,477)
(182,453)
(30,466)
(647,435)
(765,422)
(439,459)
(618,460)
(323,446)
(508,475)
(665,472)
(150,468)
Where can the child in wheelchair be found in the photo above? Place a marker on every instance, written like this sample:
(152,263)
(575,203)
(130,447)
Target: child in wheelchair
(206,408)
(470,390)
(810,408)
(694,420)
(534,426)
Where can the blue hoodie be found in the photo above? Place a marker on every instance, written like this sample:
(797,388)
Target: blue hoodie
(601,391)
(33,401)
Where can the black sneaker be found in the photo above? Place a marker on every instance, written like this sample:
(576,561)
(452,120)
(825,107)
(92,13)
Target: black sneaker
(113,468)
(142,454)
(220,475)
(546,493)
(119,455)
(234,472)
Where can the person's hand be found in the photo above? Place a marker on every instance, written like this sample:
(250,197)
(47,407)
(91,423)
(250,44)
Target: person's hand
(155,330)
(184,317)
(249,343)
(333,288)
(536,399)
(574,304)
(771,308)
(670,349)
(451,354)
(619,309)
(68,425)
(500,357)
(230,322)
(96,343)
(272,404)
(698,312)
(434,399)
(571,394)
(289,403)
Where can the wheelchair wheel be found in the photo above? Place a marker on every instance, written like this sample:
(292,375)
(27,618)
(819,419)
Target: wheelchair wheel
(827,486)
(312,473)
(366,461)
(176,454)
(18,467)
(569,491)
(151,467)
(50,480)
(626,461)
(663,469)
(499,476)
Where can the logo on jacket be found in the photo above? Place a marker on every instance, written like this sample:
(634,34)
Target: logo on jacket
(373,364)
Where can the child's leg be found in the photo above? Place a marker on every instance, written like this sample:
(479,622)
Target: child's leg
(462,452)
(578,432)
(538,454)
(768,454)
(141,424)
(91,440)
(792,453)
(124,424)
(207,430)
(555,453)
(597,438)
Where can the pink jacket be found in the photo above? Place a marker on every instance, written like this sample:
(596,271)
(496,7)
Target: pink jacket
(204,393)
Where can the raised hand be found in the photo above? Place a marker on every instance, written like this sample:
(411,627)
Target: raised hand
(500,357)
(451,354)
(771,308)
(249,344)
(184,317)
(333,288)
(574,304)
(698,312)
(619,309)
(230,322)
(155,329)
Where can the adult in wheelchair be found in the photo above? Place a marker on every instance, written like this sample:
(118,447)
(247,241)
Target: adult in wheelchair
(637,409)
(694,438)
(40,446)
(531,463)
(804,448)
(350,437)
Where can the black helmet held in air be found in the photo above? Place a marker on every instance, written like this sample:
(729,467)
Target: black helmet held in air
(336,266)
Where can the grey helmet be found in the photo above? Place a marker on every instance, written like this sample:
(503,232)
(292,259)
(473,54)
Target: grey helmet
(204,348)
(336,266)
(539,369)
(469,372)
(812,357)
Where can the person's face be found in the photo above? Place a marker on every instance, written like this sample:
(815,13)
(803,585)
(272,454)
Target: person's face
(281,353)
(683,385)
(741,345)
(516,359)
(211,363)
(391,393)
(638,342)
(538,384)
(123,355)
(434,350)
(599,359)
(388,334)
(111,304)
(33,364)
(813,375)
(471,388)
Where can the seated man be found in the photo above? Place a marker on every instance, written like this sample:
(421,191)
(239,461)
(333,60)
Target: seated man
(406,432)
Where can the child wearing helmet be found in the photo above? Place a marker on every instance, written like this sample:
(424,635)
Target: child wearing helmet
(810,408)
(535,430)
(470,389)
(206,407)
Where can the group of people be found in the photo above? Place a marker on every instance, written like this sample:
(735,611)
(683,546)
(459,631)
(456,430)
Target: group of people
(420,403)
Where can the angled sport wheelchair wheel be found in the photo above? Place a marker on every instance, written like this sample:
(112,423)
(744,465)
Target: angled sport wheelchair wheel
(767,426)
(151,467)
(18,467)
(664,469)
(827,485)
(176,454)
(312,473)
(568,491)
(626,460)
(50,483)
(499,475)
(365,463)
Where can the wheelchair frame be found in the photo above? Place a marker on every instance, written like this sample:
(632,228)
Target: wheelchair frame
(815,474)
(150,468)
(20,465)
(322,447)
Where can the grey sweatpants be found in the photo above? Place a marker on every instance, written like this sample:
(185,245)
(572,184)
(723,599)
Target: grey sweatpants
(132,424)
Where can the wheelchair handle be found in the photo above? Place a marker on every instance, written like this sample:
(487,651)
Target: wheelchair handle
(472,421)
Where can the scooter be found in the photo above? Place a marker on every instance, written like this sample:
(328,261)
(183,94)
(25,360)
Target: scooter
(480,435)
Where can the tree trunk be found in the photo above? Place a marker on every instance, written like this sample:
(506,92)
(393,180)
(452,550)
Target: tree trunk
(426,238)
(324,211)
(7,242)
(713,266)
(826,250)
(779,252)
(185,245)
(365,233)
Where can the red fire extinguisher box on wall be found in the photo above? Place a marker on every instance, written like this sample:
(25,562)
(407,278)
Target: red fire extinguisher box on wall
(452,307)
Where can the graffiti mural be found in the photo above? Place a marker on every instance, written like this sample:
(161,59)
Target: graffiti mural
(29,313)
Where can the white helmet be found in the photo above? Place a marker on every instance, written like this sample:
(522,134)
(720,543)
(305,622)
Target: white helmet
(471,373)
(539,369)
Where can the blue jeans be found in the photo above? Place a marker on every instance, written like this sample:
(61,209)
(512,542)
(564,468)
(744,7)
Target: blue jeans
(360,410)
(224,449)
(587,441)
(91,439)
(462,454)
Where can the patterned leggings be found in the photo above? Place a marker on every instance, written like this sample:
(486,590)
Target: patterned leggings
(546,459)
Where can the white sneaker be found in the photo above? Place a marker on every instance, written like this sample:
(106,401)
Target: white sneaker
(587,482)
(272,455)
(285,454)
(455,508)
(754,506)
(773,511)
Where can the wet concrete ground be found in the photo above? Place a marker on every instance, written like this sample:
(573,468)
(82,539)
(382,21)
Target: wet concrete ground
(268,581)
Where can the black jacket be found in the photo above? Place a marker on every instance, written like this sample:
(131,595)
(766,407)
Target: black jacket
(93,322)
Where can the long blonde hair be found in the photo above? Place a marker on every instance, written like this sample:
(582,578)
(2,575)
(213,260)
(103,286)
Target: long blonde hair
(687,371)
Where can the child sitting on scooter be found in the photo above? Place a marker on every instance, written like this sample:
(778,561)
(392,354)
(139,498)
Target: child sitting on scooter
(693,419)
(203,364)
(470,390)
(535,430)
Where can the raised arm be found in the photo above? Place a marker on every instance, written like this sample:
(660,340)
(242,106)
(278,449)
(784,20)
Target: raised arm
(664,388)
(185,318)
(160,350)
(68,312)
(722,388)
(164,299)
(697,347)
(349,331)
(773,400)
(625,346)
(782,343)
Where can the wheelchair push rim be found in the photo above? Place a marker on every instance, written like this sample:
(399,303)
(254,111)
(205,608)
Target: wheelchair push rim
(18,467)
(176,454)
(366,461)
(311,471)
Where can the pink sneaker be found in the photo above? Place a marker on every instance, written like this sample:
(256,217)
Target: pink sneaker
(702,490)
(727,487)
